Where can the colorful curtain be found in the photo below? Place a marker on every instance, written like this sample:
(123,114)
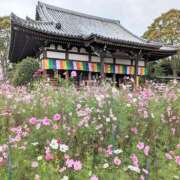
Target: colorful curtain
(92,67)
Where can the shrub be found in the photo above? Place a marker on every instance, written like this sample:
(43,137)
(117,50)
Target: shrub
(23,73)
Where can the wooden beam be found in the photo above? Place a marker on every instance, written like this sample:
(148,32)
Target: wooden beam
(102,65)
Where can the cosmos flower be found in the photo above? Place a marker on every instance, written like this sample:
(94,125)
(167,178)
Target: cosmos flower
(56,117)
(94,177)
(54,144)
(77,165)
(140,145)
(117,161)
(63,148)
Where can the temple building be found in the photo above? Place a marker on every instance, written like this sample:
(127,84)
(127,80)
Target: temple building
(93,47)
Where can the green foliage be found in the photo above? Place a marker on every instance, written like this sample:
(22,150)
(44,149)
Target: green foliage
(24,70)
(166,29)
(4,22)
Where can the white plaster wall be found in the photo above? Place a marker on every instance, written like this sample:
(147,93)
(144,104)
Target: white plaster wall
(108,60)
(95,59)
(123,61)
(78,57)
(57,55)
(140,63)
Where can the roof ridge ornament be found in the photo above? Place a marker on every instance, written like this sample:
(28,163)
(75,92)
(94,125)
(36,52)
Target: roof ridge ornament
(58,25)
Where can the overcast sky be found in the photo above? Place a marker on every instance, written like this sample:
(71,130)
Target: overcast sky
(135,15)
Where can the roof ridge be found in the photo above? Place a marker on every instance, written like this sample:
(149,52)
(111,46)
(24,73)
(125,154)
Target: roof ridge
(14,17)
(76,13)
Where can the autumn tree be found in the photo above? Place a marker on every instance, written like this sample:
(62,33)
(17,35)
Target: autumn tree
(166,29)
(4,43)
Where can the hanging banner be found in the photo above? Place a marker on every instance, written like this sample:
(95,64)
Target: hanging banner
(92,67)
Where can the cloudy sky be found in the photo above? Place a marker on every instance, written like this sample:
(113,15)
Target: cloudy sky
(136,15)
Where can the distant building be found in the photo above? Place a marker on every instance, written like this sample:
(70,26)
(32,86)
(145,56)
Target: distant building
(66,41)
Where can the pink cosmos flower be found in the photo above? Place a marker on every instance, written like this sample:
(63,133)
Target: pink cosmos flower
(73,74)
(134,160)
(146,150)
(34,164)
(134,130)
(178,146)
(117,161)
(177,159)
(56,117)
(145,171)
(70,163)
(168,156)
(55,126)
(94,177)
(33,121)
(49,156)
(173,130)
(140,145)
(46,121)
(142,177)
(66,156)
(77,165)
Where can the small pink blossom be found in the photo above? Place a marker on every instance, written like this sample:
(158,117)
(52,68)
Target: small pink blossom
(55,126)
(178,146)
(117,161)
(134,130)
(49,156)
(77,165)
(34,164)
(134,160)
(145,171)
(146,150)
(73,74)
(94,177)
(69,163)
(46,121)
(140,145)
(168,156)
(33,121)
(142,177)
(56,117)
(173,130)
(177,159)
(66,156)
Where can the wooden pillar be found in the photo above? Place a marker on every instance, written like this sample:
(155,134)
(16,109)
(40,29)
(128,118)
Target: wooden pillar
(136,77)
(102,66)
(114,74)
(89,73)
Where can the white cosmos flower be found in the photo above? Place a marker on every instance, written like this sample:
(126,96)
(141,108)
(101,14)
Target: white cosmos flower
(65,178)
(134,168)
(108,119)
(106,165)
(54,144)
(63,148)
(35,143)
(39,158)
(118,151)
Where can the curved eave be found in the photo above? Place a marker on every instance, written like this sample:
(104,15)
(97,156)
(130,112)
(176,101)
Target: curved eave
(26,41)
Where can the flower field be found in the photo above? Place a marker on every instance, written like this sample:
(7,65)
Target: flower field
(96,133)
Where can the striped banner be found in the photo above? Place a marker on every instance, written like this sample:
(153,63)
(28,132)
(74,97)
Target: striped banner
(120,69)
(109,68)
(92,67)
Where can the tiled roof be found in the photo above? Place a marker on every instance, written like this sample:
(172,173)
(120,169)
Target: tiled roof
(79,24)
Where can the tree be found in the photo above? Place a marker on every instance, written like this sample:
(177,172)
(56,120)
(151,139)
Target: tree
(24,71)
(166,29)
(4,43)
